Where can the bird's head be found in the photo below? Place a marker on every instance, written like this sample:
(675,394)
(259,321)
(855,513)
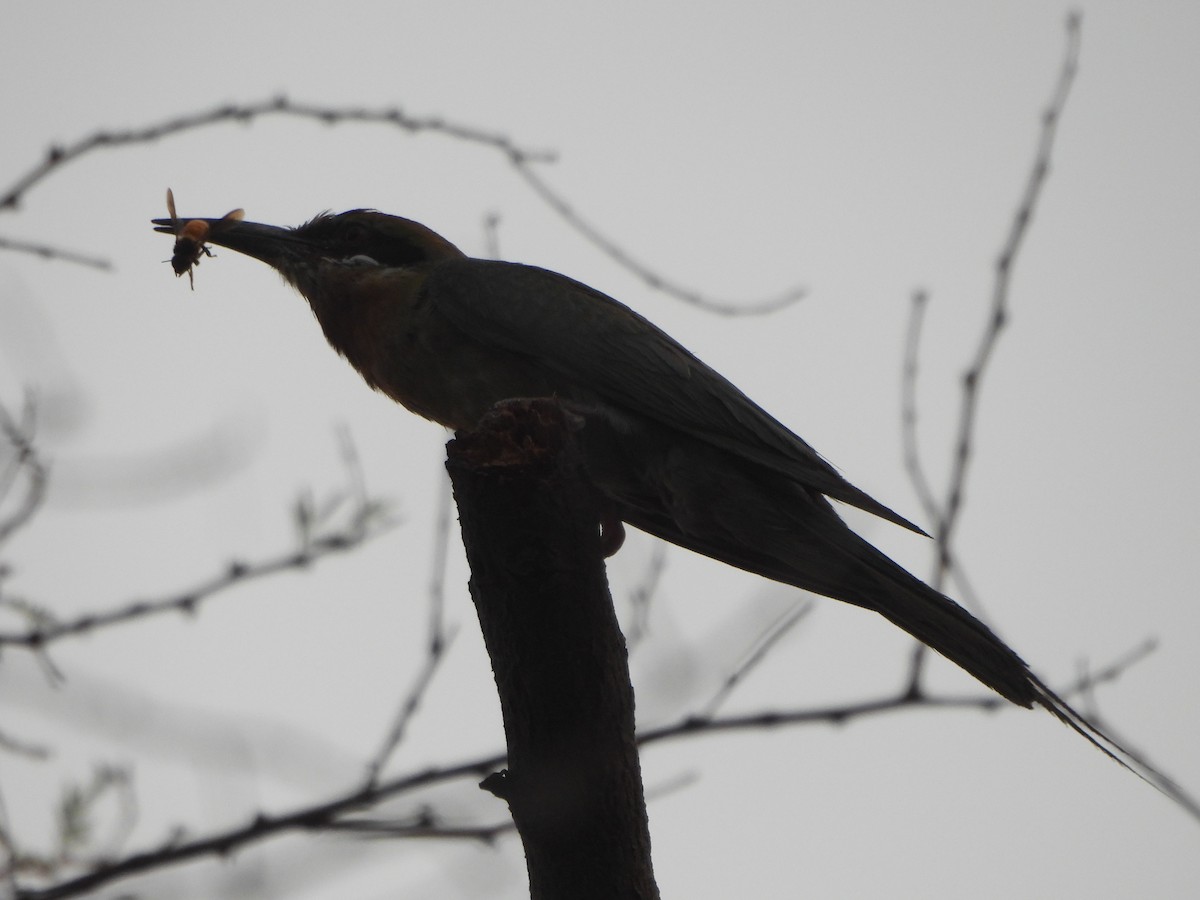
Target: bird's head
(328,246)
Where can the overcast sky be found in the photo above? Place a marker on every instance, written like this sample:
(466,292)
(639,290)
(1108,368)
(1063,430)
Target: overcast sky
(862,150)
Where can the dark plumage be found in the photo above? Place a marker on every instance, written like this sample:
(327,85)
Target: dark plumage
(680,452)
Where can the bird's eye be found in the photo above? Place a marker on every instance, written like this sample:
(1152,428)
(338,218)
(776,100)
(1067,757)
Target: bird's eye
(355,233)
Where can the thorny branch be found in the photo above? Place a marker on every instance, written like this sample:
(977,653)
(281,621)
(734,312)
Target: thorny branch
(59,155)
(329,815)
(520,158)
(367,519)
(998,317)
(945,513)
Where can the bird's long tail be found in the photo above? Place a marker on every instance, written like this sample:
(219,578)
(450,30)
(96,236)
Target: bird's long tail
(791,534)
(863,576)
(875,582)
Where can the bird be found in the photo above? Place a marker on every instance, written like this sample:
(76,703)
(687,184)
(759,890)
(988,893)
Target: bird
(676,449)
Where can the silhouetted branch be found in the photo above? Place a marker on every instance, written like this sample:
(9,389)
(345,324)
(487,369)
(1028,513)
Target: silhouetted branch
(907,698)
(998,316)
(21,747)
(367,520)
(945,513)
(913,463)
(762,645)
(648,275)
(46,251)
(437,643)
(262,826)
(520,158)
(24,461)
(60,155)
(402,828)
(443,525)
(76,824)
(435,652)
(328,814)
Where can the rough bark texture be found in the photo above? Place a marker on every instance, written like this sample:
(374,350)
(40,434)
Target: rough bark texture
(530,526)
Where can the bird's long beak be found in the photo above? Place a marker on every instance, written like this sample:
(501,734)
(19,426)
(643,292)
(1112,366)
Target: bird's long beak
(277,247)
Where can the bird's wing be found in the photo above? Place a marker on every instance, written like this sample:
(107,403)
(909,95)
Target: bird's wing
(592,340)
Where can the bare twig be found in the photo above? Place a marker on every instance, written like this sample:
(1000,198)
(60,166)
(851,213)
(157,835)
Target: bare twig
(1089,680)
(330,814)
(77,812)
(998,316)
(908,409)
(627,261)
(60,155)
(423,824)
(25,460)
(520,158)
(221,844)
(758,651)
(945,513)
(46,251)
(366,522)
(20,747)
(915,697)
(438,638)
(443,525)
(435,653)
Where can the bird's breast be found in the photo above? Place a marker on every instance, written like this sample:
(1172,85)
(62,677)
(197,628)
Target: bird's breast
(391,332)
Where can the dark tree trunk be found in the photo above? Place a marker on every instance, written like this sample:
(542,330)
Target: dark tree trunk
(530,525)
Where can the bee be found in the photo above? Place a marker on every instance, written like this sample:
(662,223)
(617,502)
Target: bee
(190,238)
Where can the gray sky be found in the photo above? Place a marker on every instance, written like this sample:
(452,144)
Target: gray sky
(863,150)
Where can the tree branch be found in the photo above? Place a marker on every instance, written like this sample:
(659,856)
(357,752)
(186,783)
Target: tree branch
(367,521)
(530,523)
(328,814)
(945,513)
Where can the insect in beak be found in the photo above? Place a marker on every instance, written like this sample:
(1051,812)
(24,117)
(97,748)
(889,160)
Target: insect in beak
(190,238)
